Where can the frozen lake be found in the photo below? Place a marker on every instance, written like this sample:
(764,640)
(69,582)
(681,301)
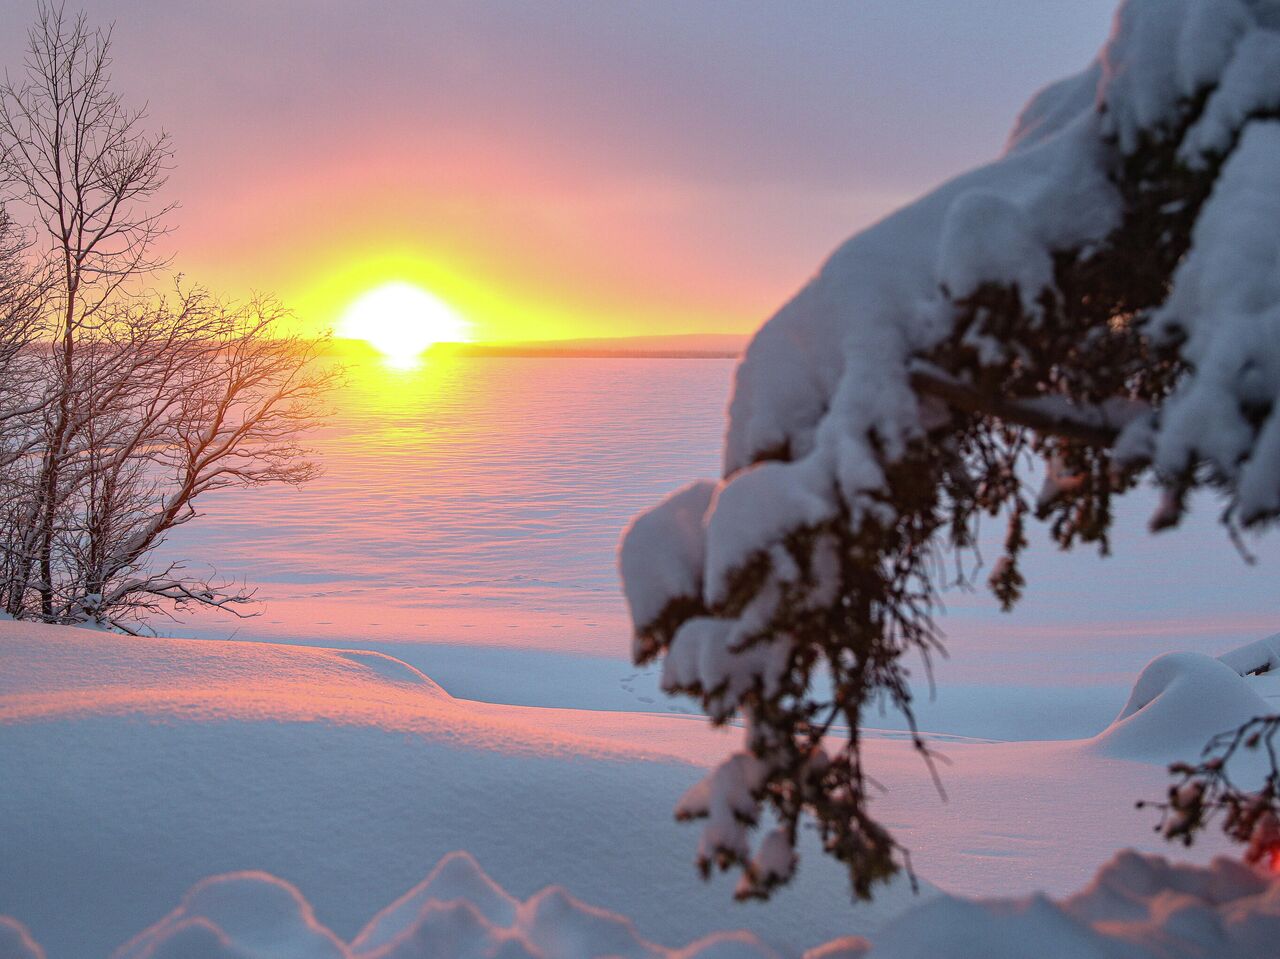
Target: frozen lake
(469,511)
(466,524)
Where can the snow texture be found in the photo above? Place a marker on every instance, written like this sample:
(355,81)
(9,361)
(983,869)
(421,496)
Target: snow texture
(456,877)
(1178,703)
(458,912)
(1226,302)
(236,916)
(1137,907)
(1255,658)
(346,774)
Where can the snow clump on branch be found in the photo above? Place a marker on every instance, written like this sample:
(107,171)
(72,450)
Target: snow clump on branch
(1105,297)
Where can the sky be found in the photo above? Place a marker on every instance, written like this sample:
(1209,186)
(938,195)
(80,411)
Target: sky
(565,168)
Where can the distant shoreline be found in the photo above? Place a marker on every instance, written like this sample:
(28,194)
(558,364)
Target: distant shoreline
(695,346)
(585,353)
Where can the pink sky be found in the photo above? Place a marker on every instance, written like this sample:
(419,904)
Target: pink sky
(561,168)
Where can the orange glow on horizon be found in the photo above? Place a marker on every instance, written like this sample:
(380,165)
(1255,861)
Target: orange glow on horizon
(494,310)
(511,285)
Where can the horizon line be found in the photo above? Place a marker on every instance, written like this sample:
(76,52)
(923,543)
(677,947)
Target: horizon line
(717,346)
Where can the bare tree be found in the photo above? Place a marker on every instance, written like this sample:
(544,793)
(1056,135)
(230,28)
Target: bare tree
(148,401)
(22,291)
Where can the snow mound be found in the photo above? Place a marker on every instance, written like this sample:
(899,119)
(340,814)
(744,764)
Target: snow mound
(457,912)
(1137,907)
(457,877)
(178,759)
(553,923)
(1255,658)
(388,667)
(1178,703)
(240,915)
(16,942)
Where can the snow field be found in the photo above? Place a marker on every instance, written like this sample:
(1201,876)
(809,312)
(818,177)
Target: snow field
(1136,907)
(137,768)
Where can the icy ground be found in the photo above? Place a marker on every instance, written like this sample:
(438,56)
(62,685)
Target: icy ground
(135,768)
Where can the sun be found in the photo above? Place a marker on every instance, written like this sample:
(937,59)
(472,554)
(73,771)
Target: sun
(400,320)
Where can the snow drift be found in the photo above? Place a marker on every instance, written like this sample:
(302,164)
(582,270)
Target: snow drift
(134,768)
(1179,702)
(16,941)
(458,912)
(1137,907)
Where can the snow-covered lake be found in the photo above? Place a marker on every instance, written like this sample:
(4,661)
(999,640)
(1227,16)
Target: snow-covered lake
(469,511)
(470,500)
(465,525)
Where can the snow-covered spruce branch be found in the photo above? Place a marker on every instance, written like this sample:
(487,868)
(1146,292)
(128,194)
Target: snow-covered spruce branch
(1045,415)
(1102,298)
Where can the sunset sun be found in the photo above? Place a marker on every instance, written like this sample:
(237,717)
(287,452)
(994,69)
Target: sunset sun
(401,321)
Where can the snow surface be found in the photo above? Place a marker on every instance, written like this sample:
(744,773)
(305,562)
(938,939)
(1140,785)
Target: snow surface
(1177,699)
(1258,657)
(134,768)
(1136,907)
(16,941)
(137,767)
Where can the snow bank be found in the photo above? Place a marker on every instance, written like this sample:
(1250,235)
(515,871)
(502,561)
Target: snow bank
(133,768)
(1178,703)
(1136,907)
(458,912)
(824,409)
(237,916)
(1255,658)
